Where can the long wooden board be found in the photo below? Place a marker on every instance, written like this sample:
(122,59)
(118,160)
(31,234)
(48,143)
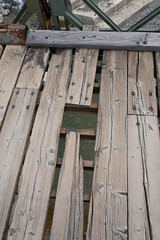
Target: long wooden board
(108,206)
(158,75)
(39,167)
(143,177)
(10,66)
(83,76)
(68,212)
(141,84)
(13,140)
(101,40)
(33,68)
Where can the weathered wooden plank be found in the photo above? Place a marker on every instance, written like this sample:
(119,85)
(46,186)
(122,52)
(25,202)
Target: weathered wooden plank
(92,108)
(141,84)
(87,164)
(1,50)
(108,206)
(143,177)
(31,208)
(68,212)
(101,40)
(13,34)
(10,66)
(83,76)
(13,140)
(33,68)
(85,133)
(158,76)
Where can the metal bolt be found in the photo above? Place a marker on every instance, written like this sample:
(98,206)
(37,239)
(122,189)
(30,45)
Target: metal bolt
(32,93)
(133,93)
(145,41)
(27,107)
(151,109)
(71,97)
(134,108)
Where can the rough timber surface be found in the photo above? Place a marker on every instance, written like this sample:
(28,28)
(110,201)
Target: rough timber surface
(1,50)
(141,84)
(68,213)
(10,66)
(108,207)
(158,75)
(83,76)
(39,167)
(101,40)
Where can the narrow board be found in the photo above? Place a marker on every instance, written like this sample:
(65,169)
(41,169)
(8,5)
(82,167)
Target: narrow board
(68,211)
(83,76)
(33,68)
(143,177)
(141,84)
(10,66)
(158,76)
(13,139)
(1,50)
(101,40)
(108,206)
(40,163)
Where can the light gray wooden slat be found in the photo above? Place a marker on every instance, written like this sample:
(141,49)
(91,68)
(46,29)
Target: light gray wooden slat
(33,68)
(101,40)
(158,75)
(1,50)
(83,76)
(141,84)
(68,211)
(143,177)
(10,66)
(108,206)
(13,140)
(39,167)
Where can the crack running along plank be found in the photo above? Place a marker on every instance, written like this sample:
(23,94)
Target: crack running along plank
(10,66)
(141,84)
(40,163)
(68,211)
(143,177)
(83,76)
(88,39)
(158,75)
(108,206)
(14,135)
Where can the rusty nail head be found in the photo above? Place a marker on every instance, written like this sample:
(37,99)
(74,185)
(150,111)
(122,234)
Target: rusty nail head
(32,93)
(13,106)
(27,107)
(151,109)
(133,93)
(134,108)
(71,97)
(150,94)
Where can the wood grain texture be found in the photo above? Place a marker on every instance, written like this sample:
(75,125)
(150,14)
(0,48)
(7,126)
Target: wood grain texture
(158,76)
(141,84)
(83,76)
(39,167)
(108,206)
(68,212)
(10,66)
(101,40)
(1,50)
(143,177)
(13,140)
(33,68)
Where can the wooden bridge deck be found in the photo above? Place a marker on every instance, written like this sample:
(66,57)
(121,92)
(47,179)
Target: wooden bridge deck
(36,87)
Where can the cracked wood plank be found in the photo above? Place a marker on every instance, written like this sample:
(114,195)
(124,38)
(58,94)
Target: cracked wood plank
(158,76)
(87,39)
(141,84)
(40,162)
(13,140)
(143,177)
(33,68)
(108,206)
(68,211)
(83,76)
(1,50)
(10,66)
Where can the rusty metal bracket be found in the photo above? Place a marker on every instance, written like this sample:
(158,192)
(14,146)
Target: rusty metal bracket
(13,34)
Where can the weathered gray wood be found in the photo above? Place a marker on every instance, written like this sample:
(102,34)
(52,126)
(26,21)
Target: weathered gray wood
(1,50)
(39,167)
(108,206)
(13,139)
(33,68)
(158,76)
(10,66)
(83,76)
(143,177)
(102,40)
(141,84)
(68,211)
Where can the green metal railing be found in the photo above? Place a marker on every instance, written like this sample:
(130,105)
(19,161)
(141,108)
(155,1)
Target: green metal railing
(62,8)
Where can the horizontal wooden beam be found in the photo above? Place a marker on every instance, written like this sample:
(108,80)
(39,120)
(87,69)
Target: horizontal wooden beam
(84,133)
(87,164)
(103,40)
(13,34)
(86,196)
(92,108)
